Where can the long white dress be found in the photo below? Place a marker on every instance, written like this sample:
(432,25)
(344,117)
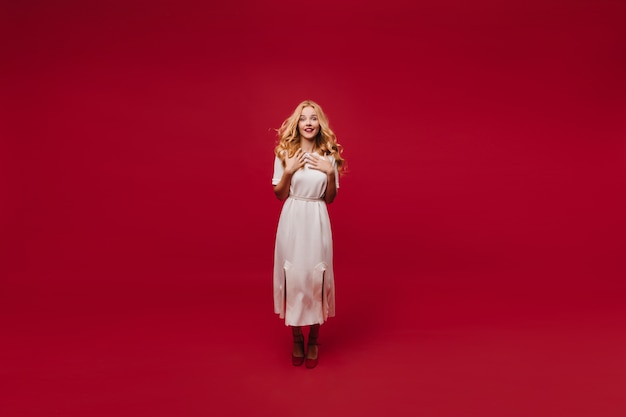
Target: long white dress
(304,285)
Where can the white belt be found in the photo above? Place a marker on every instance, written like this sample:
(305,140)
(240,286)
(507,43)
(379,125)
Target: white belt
(297,197)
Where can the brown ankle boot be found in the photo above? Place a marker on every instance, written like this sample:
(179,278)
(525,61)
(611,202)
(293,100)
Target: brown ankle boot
(311,360)
(298,339)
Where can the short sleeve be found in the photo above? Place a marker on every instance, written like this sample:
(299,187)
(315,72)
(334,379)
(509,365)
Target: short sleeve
(332,161)
(278,171)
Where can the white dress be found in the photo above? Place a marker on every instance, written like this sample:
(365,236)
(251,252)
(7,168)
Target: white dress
(304,286)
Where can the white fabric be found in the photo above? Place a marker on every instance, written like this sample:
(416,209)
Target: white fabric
(304,286)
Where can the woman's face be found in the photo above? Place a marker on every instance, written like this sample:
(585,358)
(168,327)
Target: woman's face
(308,125)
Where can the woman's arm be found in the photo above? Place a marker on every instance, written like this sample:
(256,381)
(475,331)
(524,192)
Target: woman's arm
(291,166)
(322,163)
(282,188)
(331,187)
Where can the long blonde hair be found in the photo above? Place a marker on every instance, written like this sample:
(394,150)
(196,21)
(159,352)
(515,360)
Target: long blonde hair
(326,141)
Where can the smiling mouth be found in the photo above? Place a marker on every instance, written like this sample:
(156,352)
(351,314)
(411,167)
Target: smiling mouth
(309,130)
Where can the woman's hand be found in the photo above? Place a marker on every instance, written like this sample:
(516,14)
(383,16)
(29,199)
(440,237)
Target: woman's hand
(320,163)
(295,162)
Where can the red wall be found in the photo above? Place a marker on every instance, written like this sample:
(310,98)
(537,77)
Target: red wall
(483,141)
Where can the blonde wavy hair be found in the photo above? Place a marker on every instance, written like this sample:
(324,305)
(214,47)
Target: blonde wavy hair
(326,141)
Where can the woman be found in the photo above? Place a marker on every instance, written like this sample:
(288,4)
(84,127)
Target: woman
(306,176)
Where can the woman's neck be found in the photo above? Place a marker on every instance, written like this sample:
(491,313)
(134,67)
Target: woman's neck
(307,146)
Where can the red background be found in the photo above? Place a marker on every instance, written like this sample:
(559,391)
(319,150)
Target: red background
(479,232)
